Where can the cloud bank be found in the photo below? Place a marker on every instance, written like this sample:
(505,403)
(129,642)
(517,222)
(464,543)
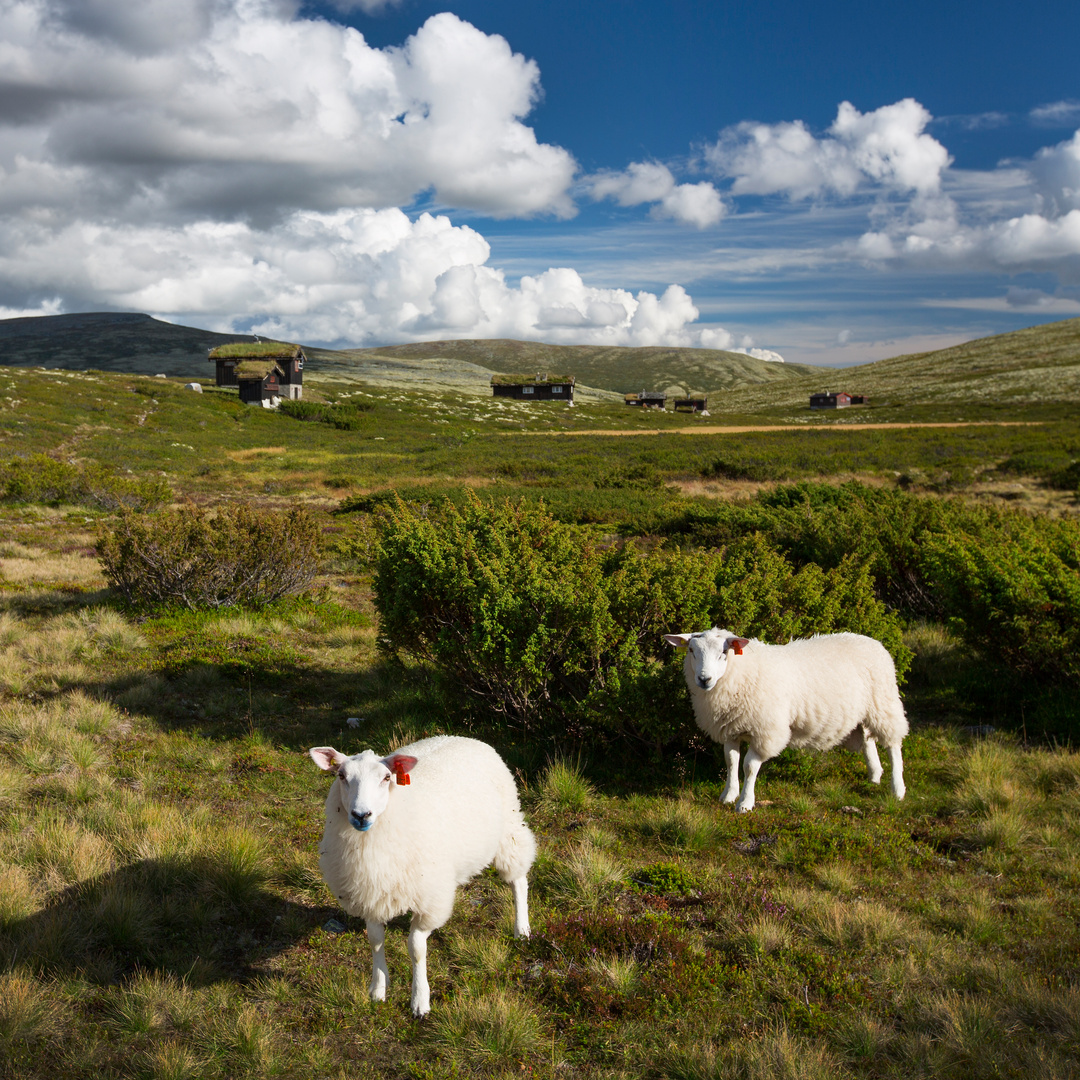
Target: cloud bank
(1021,217)
(234,163)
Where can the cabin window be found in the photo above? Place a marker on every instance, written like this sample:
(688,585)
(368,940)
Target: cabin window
(556,389)
(527,389)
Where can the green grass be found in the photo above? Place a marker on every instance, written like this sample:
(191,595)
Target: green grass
(161,910)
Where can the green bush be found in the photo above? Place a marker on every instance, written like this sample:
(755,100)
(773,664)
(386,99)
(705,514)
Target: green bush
(345,416)
(541,623)
(39,478)
(1007,583)
(1014,594)
(188,559)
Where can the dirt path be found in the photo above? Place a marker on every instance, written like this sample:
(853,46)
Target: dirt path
(713,429)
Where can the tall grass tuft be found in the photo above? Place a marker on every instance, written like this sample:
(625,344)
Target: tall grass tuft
(564,787)
(28,1012)
(497,1028)
(583,879)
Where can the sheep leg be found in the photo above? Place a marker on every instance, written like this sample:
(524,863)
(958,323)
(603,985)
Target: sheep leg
(873,762)
(897,760)
(521,906)
(376,932)
(731,791)
(751,764)
(421,992)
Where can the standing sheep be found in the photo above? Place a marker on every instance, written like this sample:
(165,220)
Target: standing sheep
(820,692)
(404,831)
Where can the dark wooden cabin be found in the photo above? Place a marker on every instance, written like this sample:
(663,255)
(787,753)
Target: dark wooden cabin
(692,404)
(261,370)
(647,399)
(540,387)
(827,400)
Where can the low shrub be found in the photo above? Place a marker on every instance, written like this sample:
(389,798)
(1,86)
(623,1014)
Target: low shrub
(1014,595)
(38,478)
(188,559)
(547,626)
(345,416)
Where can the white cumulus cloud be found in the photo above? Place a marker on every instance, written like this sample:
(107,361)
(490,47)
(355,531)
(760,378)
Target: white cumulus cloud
(245,109)
(240,164)
(351,276)
(651,182)
(762,354)
(888,148)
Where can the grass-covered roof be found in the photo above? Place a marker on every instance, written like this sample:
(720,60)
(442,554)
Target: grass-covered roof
(251,350)
(536,379)
(254,369)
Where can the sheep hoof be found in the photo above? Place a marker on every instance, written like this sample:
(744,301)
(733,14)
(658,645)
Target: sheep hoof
(743,809)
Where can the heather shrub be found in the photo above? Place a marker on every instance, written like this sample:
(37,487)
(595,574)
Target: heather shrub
(39,478)
(190,559)
(345,415)
(543,624)
(1013,593)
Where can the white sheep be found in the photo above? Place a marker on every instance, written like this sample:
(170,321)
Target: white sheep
(819,692)
(404,831)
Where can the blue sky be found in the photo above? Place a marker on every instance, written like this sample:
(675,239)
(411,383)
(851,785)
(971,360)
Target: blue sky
(830,183)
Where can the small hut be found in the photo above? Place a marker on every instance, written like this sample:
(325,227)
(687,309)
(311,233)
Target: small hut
(692,404)
(541,387)
(827,400)
(647,399)
(261,370)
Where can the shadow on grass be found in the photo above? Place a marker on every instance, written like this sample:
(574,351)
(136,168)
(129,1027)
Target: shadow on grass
(204,919)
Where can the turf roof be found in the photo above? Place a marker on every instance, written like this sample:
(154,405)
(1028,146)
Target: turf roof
(531,380)
(236,350)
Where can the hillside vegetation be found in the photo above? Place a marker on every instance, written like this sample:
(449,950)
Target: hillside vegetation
(161,911)
(617,369)
(110,341)
(1000,376)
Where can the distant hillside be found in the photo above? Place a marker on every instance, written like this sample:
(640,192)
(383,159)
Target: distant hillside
(1038,365)
(110,341)
(618,369)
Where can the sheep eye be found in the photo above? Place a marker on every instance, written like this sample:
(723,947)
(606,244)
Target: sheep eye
(341,775)
(386,779)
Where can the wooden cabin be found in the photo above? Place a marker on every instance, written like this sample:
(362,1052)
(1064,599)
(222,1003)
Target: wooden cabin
(540,387)
(827,400)
(647,399)
(692,404)
(261,370)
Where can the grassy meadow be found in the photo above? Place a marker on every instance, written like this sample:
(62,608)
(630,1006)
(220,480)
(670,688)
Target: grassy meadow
(161,910)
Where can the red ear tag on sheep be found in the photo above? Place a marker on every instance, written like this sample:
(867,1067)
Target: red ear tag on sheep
(402,776)
(736,648)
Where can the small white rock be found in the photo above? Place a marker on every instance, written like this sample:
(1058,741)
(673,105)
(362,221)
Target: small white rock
(353,721)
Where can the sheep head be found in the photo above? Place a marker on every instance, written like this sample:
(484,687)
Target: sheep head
(364,781)
(707,655)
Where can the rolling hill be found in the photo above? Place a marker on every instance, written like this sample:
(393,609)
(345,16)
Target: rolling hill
(1040,364)
(615,369)
(110,341)
(1037,365)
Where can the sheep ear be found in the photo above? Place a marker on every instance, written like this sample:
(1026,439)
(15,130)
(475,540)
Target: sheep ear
(736,645)
(680,641)
(326,757)
(400,765)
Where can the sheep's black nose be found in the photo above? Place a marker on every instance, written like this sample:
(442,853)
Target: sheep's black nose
(703,682)
(361,821)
